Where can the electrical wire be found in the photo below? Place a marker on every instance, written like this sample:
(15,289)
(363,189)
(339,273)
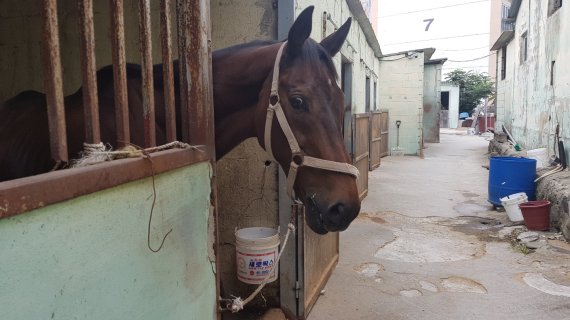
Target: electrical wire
(444,38)
(429,9)
(470,49)
(472,59)
(400,58)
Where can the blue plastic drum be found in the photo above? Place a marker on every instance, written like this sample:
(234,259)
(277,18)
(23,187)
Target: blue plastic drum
(509,175)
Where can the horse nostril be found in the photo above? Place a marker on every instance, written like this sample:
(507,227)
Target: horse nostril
(337,213)
(340,215)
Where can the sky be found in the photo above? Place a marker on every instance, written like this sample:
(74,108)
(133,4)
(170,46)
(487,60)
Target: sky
(459,30)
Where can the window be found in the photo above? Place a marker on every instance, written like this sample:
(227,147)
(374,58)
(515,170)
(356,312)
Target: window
(503,63)
(553,6)
(444,97)
(524,47)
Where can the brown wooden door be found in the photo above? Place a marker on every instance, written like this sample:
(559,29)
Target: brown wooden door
(375,139)
(385,142)
(361,153)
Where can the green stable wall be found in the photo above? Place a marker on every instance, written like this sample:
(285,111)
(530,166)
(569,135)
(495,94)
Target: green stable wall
(87,258)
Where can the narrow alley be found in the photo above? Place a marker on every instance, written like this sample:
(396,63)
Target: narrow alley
(427,245)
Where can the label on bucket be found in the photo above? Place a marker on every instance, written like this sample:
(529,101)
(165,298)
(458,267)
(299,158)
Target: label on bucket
(254,267)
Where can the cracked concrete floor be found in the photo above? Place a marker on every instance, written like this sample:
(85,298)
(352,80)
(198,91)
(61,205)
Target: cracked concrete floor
(427,245)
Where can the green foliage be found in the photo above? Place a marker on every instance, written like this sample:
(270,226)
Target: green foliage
(473,87)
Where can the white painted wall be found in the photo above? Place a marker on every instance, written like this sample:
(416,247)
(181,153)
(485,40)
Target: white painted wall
(528,105)
(453,103)
(401,92)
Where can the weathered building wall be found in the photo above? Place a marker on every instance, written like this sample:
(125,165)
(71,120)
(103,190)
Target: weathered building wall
(528,104)
(431,102)
(21,41)
(453,114)
(356,49)
(401,92)
(247,186)
(87,258)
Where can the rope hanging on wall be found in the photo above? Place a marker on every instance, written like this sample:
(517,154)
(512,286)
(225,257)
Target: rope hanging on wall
(99,152)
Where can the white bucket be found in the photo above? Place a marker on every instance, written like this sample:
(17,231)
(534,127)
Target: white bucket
(257,250)
(511,205)
(541,156)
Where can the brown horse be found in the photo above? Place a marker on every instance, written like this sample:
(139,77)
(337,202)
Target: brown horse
(309,98)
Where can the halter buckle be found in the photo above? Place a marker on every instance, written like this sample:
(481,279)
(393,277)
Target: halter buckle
(298,158)
(273,98)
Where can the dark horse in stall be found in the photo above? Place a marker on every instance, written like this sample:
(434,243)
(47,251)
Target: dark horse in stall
(242,76)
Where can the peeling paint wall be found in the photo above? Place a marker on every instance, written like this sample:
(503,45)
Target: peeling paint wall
(87,258)
(401,85)
(432,102)
(527,103)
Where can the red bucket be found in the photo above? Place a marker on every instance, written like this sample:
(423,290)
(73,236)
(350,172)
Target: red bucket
(536,214)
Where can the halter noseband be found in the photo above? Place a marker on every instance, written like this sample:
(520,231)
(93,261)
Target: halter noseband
(298,158)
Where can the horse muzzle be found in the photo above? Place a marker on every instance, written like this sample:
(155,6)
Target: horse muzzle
(337,217)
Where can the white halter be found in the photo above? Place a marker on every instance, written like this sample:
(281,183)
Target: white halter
(298,158)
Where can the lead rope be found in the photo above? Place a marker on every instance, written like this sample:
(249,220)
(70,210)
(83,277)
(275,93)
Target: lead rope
(236,303)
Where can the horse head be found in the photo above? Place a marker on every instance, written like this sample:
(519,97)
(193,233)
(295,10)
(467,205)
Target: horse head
(299,118)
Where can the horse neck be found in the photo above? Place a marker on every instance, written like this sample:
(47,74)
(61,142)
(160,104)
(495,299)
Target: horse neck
(238,76)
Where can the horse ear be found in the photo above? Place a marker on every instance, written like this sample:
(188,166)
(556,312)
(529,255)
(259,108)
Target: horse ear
(300,31)
(334,42)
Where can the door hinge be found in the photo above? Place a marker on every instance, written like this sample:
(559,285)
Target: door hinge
(297,289)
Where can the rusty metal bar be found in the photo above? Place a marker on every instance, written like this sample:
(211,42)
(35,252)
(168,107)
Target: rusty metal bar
(183,17)
(29,193)
(120,72)
(89,71)
(201,116)
(167,72)
(147,73)
(53,82)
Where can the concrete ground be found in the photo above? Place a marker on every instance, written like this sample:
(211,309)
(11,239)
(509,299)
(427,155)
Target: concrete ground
(428,245)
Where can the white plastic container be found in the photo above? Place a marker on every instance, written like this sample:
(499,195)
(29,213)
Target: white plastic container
(541,156)
(511,205)
(257,250)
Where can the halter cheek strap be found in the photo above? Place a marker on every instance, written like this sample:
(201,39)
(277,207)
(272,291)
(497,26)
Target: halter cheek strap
(298,158)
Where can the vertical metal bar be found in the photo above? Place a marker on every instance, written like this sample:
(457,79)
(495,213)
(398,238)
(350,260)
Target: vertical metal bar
(182,17)
(89,72)
(167,72)
(147,73)
(120,72)
(53,83)
(201,116)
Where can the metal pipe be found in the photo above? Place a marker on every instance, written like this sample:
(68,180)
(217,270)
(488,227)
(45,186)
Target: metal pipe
(119,72)
(53,83)
(89,71)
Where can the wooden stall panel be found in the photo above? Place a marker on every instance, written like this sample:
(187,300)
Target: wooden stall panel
(319,258)
(385,141)
(375,139)
(361,152)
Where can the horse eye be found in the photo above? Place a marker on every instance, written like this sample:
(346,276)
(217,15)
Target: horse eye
(297,103)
